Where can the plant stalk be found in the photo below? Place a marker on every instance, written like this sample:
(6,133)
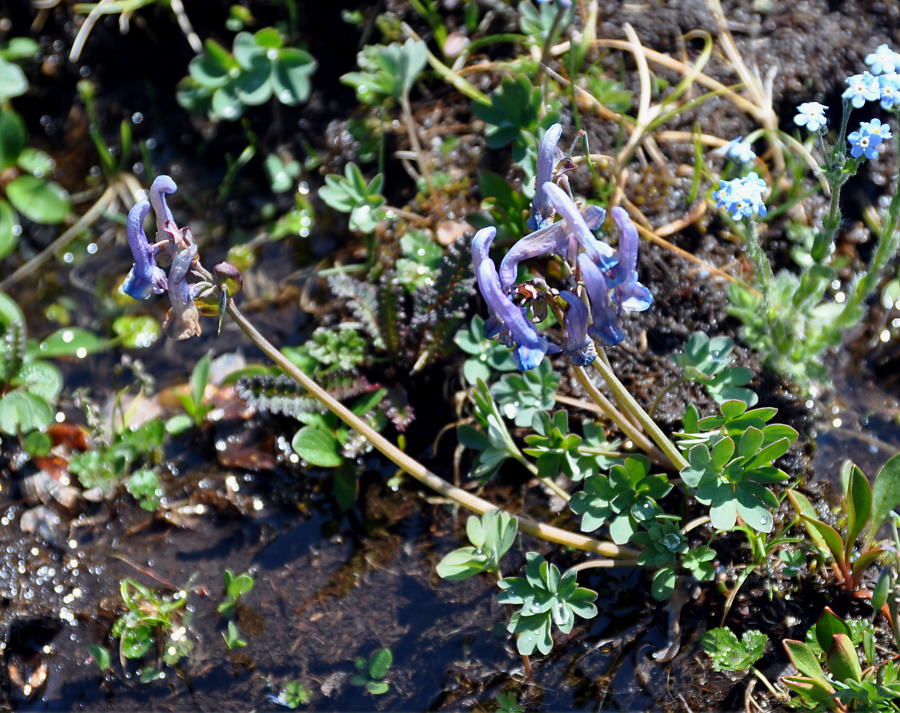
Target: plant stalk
(411,466)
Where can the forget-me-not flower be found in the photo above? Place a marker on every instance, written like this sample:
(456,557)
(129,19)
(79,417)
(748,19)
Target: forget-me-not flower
(564,3)
(736,150)
(883,60)
(742,197)
(878,128)
(145,277)
(862,88)
(864,141)
(889,88)
(811,115)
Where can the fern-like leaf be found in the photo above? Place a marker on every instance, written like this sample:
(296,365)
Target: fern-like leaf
(363,303)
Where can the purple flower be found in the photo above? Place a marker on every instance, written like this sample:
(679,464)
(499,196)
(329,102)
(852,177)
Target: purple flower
(564,3)
(553,239)
(161,186)
(604,328)
(811,115)
(598,251)
(864,141)
(507,321)
(183,319)
(541,209)
(629,293)
(577,345)
(863,88)
(145,277)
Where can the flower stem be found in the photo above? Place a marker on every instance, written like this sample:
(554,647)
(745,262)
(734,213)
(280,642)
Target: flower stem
(410,465)
(762,267)
(628,428)
(648,424)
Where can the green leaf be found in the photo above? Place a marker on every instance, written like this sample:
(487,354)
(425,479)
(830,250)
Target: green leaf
(828,625)
(885,496)
(346,485)
(210,69)
(253,87)
(380,662)
(21,412)
(290,76)
(70,341)
(39,200)
(9,228)
(13,82)
(842,659)
(37,443)
(101,657)
(828,534)
(40,378)
(317,446)
(179,424)
(13,137)
(802,506)
(20,48)
(137,331)
(804,660)
(268,38)
(246,49)
(36,162)
(376,688)
(859,506)
(199,379)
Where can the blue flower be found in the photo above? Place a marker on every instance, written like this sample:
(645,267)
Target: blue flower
(876,128)
(541,209)
(507,321)
(883,60)
(629,293)
(145,277)
(863,88)
(564,3)
(889,88)
(742,197)
(811,115)
(577,345)
(598,251)
(604,328)
(183,319)
(864,141)
(736,150)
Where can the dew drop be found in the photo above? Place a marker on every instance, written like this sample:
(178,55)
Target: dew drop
(137,117)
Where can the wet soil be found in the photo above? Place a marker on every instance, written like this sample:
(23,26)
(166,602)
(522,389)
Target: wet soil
(333,586)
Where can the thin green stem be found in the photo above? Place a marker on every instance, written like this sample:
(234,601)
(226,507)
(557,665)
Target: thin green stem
(410,465)
(761,265)
(648,424)
(612,413)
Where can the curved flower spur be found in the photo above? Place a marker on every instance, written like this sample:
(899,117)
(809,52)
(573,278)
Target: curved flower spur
(208,295)
(595,269)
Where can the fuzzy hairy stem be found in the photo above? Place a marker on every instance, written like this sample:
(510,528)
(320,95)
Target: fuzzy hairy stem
(411,466)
